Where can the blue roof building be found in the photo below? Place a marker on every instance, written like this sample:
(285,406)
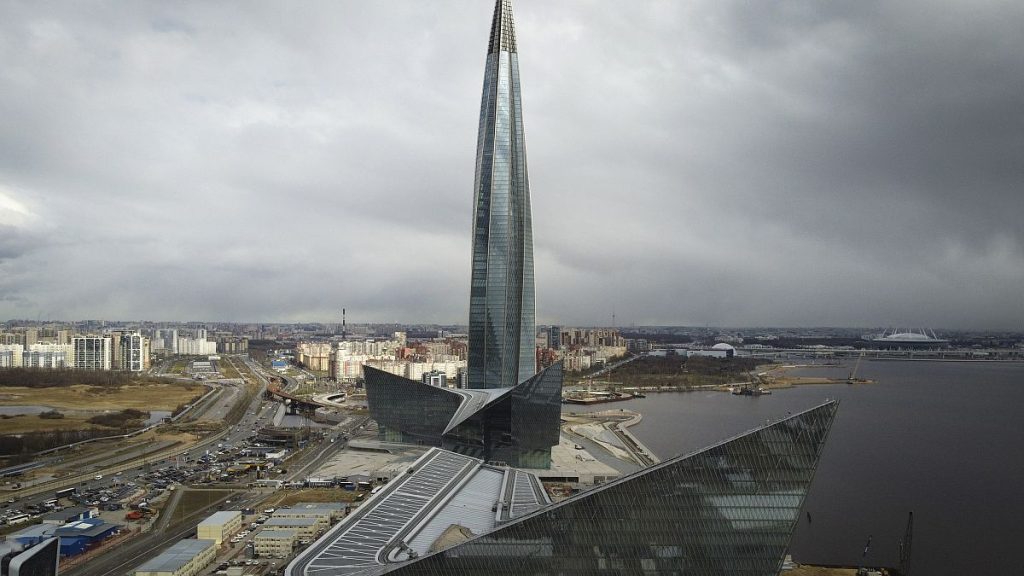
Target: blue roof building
(75,537)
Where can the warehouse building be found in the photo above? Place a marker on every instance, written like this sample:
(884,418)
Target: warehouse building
(185,558)
(76,536)
(219,526)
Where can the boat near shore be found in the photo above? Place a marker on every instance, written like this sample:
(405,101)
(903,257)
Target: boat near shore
(750,391)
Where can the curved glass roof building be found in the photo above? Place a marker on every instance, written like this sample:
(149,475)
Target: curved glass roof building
(502,312)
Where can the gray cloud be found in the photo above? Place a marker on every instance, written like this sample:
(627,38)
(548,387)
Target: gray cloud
(792,163)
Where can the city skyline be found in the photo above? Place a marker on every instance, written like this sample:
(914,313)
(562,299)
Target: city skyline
(797,165)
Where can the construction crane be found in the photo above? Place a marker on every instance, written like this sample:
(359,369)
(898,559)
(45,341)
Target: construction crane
(905,545)
(853,375)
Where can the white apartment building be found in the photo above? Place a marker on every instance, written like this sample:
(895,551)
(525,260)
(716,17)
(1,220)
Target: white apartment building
(48,356)
(92,352)
(10,355)
(133,357)
(195,347)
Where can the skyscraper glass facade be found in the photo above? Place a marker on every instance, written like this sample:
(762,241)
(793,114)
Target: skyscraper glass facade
(408,410)
(519,428)
(502,310)
(726,510)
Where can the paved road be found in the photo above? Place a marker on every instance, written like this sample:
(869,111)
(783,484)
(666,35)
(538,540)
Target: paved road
(137,550)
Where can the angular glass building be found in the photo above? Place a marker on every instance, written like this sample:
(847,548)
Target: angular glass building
(516,426)
(726,510)
(729,509)
(502,311)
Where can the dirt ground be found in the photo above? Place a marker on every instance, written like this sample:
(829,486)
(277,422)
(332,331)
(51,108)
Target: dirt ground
(148,397)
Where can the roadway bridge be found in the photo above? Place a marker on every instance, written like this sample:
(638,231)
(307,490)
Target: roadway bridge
(295,404)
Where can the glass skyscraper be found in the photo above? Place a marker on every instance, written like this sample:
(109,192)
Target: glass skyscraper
(509,413)
(502,311)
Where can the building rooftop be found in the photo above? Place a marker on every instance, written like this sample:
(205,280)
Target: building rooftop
(222,517)
(177,556)
(65,514)
(313,505)
(89,527)
(290,522)
(472,402)
(439,490)
(275,534)
(34,531)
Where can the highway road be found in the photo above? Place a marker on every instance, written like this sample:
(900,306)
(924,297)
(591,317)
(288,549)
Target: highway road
(258,413)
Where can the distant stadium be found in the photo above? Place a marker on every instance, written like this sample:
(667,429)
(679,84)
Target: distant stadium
(900,338)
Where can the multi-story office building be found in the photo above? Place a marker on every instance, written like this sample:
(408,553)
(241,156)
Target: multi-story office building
(435,378)
(555,337)
(92,352)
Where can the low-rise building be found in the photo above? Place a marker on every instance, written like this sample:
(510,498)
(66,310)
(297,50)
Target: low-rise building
(185,558)
(69,514)
(305,528)
(273,543)
(337,510)
(322,516)
(219,526)
(75,536)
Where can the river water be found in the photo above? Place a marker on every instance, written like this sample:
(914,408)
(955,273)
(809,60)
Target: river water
(944,440)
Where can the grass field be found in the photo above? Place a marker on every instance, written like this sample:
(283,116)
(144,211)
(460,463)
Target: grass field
(79,397)
(178,366)
(289,497)
(227,369)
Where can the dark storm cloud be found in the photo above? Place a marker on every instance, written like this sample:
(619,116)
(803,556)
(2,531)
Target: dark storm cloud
(789,163)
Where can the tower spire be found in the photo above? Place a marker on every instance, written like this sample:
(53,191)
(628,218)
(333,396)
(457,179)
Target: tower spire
(503,31)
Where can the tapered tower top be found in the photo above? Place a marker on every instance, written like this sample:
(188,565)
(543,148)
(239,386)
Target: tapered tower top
(503,31)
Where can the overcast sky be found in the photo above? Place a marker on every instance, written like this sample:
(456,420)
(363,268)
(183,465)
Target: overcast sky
(798,163)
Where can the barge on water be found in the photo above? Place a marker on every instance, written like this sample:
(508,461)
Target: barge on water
(599,397)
